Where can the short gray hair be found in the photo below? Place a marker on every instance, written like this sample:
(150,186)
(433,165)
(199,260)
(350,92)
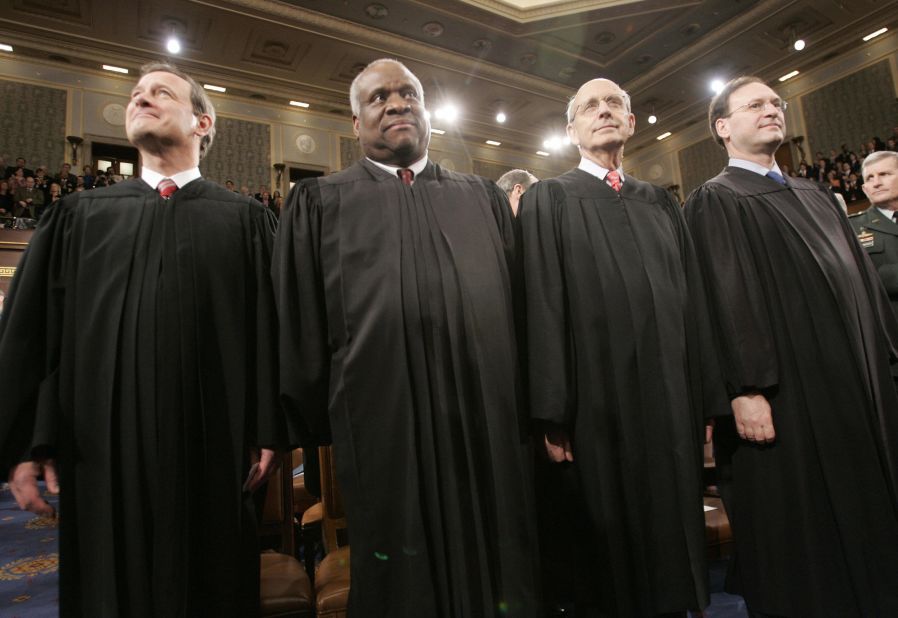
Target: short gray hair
(516,177)
(876,157)
(198,98)
(354,102)
(569,112)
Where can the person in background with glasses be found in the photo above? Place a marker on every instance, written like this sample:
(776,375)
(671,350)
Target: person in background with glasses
(808,461)
(621,372)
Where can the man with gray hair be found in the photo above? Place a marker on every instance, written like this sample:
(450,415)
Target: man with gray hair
(396,283)
(807,462)
(515,183)
(145,315)
(620,371)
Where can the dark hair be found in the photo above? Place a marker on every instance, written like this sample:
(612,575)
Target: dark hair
(198,98)
(720,104)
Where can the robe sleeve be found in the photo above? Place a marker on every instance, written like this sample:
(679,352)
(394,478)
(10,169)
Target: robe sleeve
(549,351)
(710,398)
(736,297)
(269,418)
(302,317)
(31,341)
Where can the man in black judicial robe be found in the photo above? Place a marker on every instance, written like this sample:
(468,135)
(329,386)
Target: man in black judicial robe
(808,460)
(621,369)
(148,327)
(395,300)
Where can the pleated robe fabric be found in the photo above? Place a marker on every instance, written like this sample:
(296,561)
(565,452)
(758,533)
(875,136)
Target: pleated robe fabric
(620,357)
(148,329)
(398,336)
(801,316)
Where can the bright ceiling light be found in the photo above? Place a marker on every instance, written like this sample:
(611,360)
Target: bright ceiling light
(493,142)
(173,45)
(653,119)
(566,141)
(873,35)
(799,44)
(5,47)
(717,85)
(664,135)
(115,69)
(542,153)
(447,112)
(437,131)
(215,88)
(789,75)
(299,104)
(553,143)
(501,117)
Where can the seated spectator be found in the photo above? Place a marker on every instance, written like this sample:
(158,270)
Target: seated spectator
(278,202)
(229,185)
(66,179)
(55,195)
(17,180)
(6,200)
(20,165)
(803,170)
(786,170)
(42,182)
(112,177)
(87,174)
(100,180)
(28,200)
(854,163)
(244,190)
(819,171)
(835,181)
(892,144)
(851,188)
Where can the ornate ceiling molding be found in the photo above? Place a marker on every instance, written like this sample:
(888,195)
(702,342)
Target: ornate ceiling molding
(524,11)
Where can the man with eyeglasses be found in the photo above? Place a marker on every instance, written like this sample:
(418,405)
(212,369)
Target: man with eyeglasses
(808,461)
(621,371)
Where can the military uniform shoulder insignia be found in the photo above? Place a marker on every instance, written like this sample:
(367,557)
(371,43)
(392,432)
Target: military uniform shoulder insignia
(865,238)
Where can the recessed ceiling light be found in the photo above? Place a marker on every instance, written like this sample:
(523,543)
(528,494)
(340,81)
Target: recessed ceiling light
(717,85)
(799,44)
(500,117)
(566,141)
(437,131)
(299,104)
(115,69)
(873,35)
(5,47)
(447,112)
(493,142)
(664,135)
(653,119)
(542,153)
(552,143)
(215,88)
(173,45)
(789,75)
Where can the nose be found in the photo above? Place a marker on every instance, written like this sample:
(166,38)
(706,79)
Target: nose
(397,104)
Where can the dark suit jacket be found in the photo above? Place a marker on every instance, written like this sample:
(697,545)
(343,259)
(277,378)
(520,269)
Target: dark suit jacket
(879,238)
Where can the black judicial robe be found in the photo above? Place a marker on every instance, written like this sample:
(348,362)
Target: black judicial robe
(801,316)
(619,356)
(148,329)
(398,337)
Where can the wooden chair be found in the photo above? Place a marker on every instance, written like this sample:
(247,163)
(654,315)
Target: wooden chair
(332,576)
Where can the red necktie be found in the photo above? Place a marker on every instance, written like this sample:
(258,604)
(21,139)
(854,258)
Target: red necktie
(166,188)
(406,175)
(613,180)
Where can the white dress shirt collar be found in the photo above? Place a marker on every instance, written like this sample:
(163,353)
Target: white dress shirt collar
(591,167)
(751,166)
(417,167)
(153,178)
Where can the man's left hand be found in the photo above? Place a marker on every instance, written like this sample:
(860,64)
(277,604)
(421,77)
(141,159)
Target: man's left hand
(264,465)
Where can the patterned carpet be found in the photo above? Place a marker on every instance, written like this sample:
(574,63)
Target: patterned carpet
(28,561)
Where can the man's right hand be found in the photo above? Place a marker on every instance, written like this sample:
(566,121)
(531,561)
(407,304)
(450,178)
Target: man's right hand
(754,419)
(24,487)
(558,446)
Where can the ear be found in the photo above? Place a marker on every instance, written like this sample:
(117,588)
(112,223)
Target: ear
(572,135)
(355,125)
(722,126)
(202,124)
(631,123)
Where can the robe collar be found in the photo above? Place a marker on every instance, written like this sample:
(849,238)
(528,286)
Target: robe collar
(751,166)
(594,169)
(417,167)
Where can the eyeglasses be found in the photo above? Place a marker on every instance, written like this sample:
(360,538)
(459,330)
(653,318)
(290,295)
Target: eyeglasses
(615,103)
(759,105)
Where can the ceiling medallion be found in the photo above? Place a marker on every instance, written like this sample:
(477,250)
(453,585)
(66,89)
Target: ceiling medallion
(274,49)
(566,73)
(604,38)
(376,11)
(482,46)
(433,28)
(528,60)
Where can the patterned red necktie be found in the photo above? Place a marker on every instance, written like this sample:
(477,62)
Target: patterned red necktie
(166,188)
(406,175)
(613,180)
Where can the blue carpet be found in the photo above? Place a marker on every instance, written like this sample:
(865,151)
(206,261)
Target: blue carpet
(29,581)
